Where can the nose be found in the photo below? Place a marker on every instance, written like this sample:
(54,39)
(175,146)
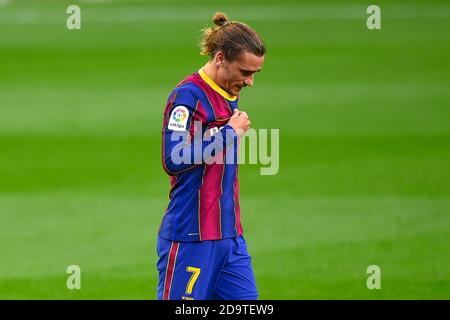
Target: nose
(249,81)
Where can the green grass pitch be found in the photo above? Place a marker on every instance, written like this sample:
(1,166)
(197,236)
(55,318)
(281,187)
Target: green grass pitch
(364,146)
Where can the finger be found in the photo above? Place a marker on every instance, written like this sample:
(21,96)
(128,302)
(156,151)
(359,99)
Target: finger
(234,115)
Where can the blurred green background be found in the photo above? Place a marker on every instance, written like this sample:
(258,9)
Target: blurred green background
(364,146)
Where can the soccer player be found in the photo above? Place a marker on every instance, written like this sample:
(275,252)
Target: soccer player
(202,252)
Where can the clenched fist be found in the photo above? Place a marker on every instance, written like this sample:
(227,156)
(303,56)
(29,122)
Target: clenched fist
(240,122)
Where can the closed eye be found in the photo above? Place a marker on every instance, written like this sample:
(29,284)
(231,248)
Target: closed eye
(247,73)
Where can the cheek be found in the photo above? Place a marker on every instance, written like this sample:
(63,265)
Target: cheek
(233,81)
(233,78)
(237,78)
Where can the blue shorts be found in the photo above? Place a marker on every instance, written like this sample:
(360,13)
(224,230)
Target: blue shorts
(205,270)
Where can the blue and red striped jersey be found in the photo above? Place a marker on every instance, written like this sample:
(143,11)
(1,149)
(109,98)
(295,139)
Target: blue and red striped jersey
(204,194)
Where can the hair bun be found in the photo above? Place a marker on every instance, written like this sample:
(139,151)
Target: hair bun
(220,19)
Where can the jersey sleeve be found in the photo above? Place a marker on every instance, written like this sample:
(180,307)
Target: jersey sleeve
(183,150)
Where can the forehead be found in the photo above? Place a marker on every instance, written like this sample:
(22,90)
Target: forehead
(249,61)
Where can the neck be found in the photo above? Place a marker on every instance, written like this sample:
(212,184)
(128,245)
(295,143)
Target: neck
(211,72)
(208,78)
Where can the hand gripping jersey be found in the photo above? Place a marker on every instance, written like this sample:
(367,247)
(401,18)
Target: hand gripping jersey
(199,152)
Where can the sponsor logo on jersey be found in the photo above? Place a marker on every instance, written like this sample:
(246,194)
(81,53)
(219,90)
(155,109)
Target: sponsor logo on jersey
(209,132)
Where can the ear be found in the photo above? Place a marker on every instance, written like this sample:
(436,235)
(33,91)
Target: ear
(219,58)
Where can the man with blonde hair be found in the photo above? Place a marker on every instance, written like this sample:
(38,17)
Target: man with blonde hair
(202,252)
